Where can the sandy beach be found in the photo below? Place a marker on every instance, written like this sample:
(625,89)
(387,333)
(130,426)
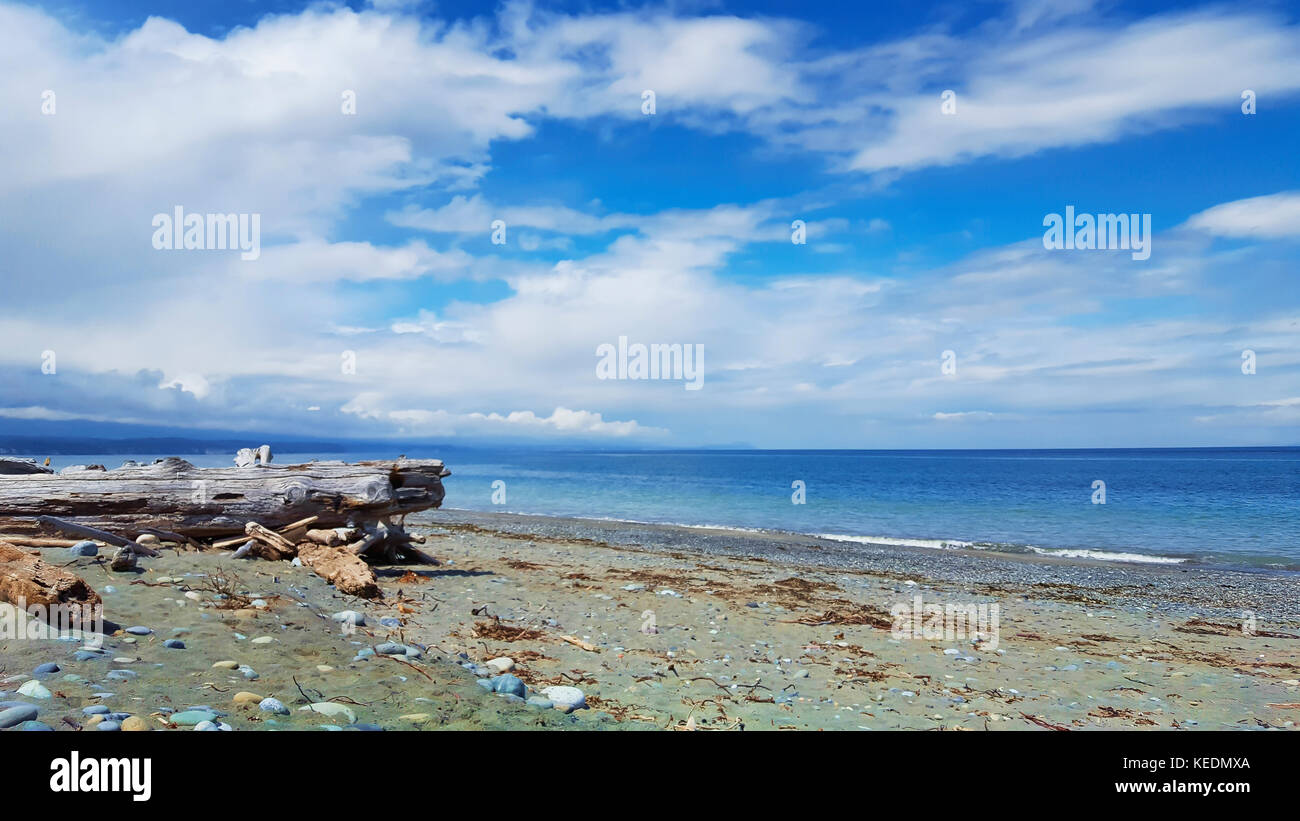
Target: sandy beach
(663,627)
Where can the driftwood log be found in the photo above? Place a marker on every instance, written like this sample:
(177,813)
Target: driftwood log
(25,581)
(175,496)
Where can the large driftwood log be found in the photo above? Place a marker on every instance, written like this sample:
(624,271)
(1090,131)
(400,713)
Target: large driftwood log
(174,495)
(25,580)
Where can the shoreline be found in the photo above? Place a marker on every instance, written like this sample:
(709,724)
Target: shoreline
(1003,549)
(1218,588)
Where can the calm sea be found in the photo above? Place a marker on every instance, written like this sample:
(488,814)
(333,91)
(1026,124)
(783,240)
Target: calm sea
(1236,506)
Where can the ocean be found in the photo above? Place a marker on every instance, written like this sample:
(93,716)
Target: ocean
(1220,506)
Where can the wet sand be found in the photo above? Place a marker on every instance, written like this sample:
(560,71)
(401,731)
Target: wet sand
(668,627)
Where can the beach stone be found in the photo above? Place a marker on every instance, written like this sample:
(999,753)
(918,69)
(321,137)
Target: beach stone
(83,549)
(174,644)
(509,684)
(246,697)
(263,639)
(139,630)
(502,664)
(540,703)
(415,717)
(206,727)
(389,621)
(324,668)
(37,726)
(567,699)
(193,717)
(248,672)
(228,664)
(351,617)
(94,721)
(46,669)
(108,726)
(331,709)
(14,716)
(273,705)
(34,689)
(391,648)
(134,724)
(121,675)
(95,710)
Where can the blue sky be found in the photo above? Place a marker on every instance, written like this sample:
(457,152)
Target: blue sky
(924,229)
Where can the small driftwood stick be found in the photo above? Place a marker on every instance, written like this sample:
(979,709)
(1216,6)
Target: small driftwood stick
(87,532)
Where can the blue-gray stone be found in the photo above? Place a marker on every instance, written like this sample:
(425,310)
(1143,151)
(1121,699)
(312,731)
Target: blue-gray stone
(174,644)
(485,684)
(17,715)
(365,728)
(541,702)
(83,549)
(121,675)
(35,726)
(95,710)
(193,717)
(108,726)
(46,669)
(390,622)
(509,684)
(139,630)
(391,648)
(273,705)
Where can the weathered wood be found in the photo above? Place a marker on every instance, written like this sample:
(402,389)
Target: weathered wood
(25,580)
(9,466)
(273,545)
(174,495)
(88,532)
(348,572)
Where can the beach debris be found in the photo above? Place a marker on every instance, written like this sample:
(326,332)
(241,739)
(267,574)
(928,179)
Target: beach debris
(27,580)
(250,457)
(577,642)
(348,572)
(13,466)
(205,503)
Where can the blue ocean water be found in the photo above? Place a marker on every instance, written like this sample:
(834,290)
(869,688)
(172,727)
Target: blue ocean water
(1232,506)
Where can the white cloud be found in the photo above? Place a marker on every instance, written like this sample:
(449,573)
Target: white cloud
(1275,216)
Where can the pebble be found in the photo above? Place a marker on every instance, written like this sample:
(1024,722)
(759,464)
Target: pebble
(17,715)
(193,717)
(540,702)
(108,726)
(139,631)
(273,705)
(333,710)
(416,717)
(174,644)
(134,724)
(246,697)
(83,549)
(46,669)
(391,648)
(228,664)
(39,726)
(350,617)
(33,689)
(504,664)
(263,640)
(567,699)
(95,710)
(512,685)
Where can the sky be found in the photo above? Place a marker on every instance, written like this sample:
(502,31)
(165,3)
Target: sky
(842,205)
